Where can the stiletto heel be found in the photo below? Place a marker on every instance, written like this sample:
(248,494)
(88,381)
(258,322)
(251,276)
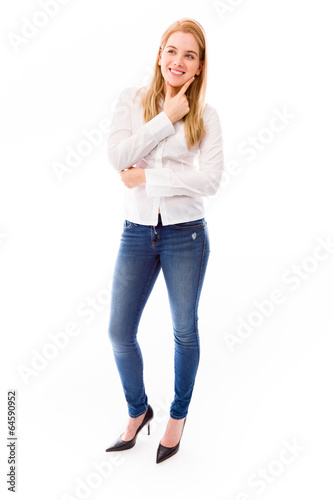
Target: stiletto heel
(120,445)
(164,452)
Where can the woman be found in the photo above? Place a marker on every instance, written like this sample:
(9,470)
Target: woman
(166,145)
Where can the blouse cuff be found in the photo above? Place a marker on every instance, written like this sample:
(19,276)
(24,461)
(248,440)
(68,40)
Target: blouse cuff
(160,126)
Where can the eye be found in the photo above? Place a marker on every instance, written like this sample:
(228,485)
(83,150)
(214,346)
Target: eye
(190,55)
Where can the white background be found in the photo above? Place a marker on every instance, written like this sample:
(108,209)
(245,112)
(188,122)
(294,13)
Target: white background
(59,238)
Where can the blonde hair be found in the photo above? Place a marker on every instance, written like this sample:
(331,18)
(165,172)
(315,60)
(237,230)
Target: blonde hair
(194,126)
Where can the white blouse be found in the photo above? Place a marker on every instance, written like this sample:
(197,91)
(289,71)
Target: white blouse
(178,180)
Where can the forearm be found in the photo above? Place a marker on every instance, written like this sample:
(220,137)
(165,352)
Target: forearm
(165,182)
(126,148)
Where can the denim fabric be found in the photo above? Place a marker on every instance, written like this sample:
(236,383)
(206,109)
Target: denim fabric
(182,251)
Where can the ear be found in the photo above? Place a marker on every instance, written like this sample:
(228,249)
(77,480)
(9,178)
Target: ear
(200,68)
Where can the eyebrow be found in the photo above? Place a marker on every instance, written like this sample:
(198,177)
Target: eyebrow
(185,51)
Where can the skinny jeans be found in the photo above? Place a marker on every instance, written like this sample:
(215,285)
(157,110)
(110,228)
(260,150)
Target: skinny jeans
(181,251)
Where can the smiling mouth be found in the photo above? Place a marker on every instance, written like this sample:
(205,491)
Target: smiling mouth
(177,73)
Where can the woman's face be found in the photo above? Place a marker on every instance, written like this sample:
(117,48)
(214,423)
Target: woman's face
(179,60)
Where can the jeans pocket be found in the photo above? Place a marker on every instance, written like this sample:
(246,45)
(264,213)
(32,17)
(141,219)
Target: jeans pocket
(192,224)
(128,224)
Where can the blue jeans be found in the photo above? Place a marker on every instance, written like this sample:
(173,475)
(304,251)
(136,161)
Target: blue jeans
(182,251)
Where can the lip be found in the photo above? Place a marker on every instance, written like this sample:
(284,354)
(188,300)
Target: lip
(183,73)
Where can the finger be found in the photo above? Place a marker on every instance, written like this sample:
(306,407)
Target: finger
(186,85)
(168,89)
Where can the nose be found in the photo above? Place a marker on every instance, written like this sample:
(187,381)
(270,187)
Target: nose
(178,62)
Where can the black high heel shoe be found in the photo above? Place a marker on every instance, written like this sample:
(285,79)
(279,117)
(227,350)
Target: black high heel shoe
(120,445)
(163,452)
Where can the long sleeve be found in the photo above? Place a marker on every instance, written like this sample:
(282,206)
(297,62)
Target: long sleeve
(126,148)
(204,181)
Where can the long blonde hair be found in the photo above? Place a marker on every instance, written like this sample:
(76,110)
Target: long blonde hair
(194,126)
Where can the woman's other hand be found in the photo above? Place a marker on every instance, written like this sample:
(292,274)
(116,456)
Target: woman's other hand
(133,177)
